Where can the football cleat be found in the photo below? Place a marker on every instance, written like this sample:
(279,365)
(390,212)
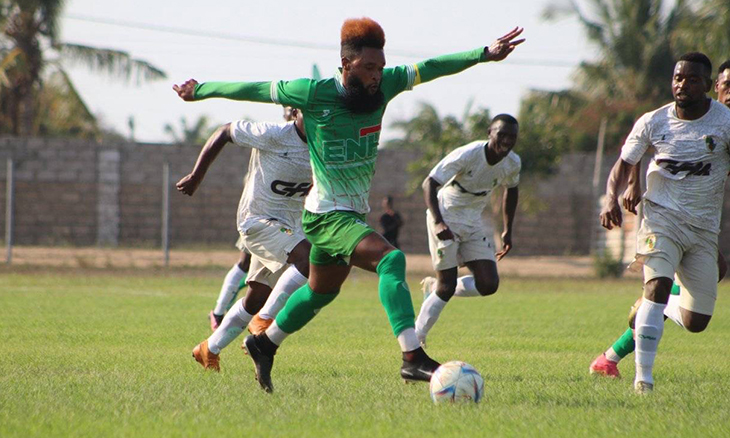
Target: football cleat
(632,312)
(419,371)
(603,367)
(259,325)
(215,320)
(262,362)
(205,357)
(643,388)
(428,284)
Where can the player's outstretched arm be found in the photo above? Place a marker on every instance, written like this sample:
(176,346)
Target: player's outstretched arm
(509,209)
(189,184)
(457,62)
(291,93)
(430,194)
(617,180)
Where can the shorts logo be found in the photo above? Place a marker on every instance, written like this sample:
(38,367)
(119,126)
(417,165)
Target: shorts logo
(440,253)
(287,231)
(650,242)
(710,142)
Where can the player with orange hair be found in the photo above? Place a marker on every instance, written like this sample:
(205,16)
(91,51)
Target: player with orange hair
(342,119)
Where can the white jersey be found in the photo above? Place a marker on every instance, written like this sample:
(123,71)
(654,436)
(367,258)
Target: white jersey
(467,181)
(688,172)
(279,174)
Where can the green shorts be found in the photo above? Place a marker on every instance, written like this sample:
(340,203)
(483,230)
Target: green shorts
(334,235)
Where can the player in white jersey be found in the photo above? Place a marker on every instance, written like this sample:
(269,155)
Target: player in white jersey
(457,232)
(269,220)
(606,364)
(682,207)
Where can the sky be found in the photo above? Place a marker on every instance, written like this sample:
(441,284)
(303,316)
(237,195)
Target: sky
(243,40)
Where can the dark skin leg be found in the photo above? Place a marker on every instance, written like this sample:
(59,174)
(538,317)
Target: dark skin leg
(485,277)
(244,261)
(367,255)
(658,291)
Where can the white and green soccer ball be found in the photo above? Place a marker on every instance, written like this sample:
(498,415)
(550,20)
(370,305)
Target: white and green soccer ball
(456,382)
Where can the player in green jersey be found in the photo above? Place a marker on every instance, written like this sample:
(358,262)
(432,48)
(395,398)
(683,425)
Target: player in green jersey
(342,119)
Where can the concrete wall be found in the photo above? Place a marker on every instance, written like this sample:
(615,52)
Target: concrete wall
(74,192)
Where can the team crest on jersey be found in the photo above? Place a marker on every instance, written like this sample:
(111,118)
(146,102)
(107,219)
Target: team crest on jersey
(710,142)
(287,231)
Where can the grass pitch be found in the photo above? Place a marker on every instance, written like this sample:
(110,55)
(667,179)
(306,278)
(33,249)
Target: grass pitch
(96,353)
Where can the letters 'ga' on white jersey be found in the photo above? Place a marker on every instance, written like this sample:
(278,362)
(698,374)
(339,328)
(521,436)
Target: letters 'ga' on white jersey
(468,179)
(279,174)
(688,172)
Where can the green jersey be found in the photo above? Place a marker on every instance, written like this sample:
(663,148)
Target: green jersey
(343,146)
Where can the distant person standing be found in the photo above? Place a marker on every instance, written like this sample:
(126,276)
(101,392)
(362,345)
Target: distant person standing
(390,222)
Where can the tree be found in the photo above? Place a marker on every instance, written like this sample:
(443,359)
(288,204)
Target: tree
(434,137)
(31,53)
(195,134)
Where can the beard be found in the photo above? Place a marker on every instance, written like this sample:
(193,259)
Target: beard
(358,99)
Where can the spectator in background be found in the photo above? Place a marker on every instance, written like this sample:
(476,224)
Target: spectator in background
(390,222)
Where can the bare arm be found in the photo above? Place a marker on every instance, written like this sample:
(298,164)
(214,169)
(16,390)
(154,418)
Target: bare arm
(632,194)
(509,208)
(617,182)
(430,192)
(189,184)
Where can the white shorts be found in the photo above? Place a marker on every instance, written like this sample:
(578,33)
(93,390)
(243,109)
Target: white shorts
(470,244)
(666,245)
(259,273)
(270,241)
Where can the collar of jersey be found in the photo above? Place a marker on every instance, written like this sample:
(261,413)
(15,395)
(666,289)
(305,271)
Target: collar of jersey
(338,81)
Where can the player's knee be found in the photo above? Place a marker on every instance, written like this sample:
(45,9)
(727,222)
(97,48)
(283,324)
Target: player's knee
(657,290)
(445,290)
(487,287)
(695,325)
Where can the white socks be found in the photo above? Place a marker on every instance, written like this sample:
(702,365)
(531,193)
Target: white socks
(289,281)
(466,287)
(232,325)
(612,356)
(408,340)
(427,317)
(673,311)
(649,327)
(229,289)
(275,334)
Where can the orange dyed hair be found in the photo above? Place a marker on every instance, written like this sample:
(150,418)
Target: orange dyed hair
(357,33)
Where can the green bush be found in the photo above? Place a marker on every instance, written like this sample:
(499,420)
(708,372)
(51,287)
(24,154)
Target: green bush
(606,265)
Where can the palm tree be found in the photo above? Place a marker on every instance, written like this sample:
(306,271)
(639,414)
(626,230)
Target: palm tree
(707,30)
(30,52)
(636,41)
(195,134)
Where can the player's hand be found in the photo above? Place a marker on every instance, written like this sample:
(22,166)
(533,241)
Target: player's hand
(443,232)
(186,91)
(506,245)
(632,197)
(504,45)
(611,214)
(189,184)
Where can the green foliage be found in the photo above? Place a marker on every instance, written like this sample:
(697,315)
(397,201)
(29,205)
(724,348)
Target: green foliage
(32,59)
(107,353)
(194,134)
(606,266)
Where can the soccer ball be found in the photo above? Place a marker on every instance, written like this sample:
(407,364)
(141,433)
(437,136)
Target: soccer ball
(456,381)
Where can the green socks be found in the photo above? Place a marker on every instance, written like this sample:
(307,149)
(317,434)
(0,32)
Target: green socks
(301,307)
(624,345)
(394,293)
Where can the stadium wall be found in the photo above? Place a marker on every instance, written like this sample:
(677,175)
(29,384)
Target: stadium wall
(81,193)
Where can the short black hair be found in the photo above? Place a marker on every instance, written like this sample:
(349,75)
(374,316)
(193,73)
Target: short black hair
(506,118)
(699,58)
(724,66)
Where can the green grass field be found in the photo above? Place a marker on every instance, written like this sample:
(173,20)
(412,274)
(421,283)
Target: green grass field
(93,353)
